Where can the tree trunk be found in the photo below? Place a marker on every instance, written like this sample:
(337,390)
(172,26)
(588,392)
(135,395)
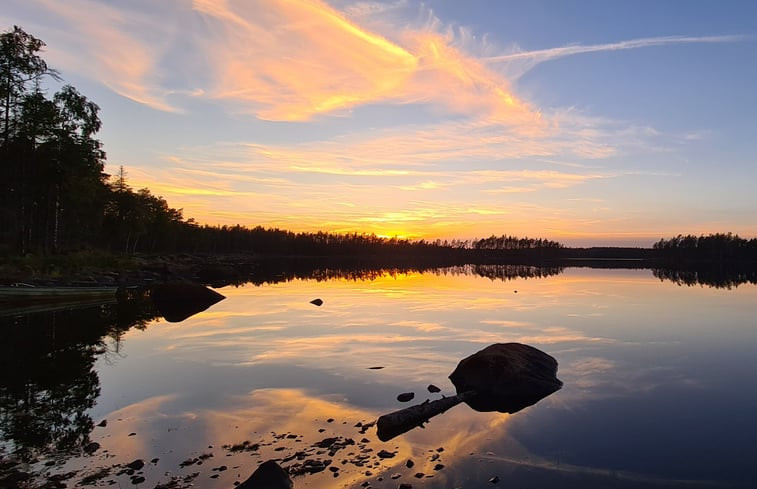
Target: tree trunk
(393,424)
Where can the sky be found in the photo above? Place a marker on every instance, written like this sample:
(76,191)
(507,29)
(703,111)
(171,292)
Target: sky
(588,122)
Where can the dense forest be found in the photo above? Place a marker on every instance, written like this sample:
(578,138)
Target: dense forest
(55,196)
(711,248)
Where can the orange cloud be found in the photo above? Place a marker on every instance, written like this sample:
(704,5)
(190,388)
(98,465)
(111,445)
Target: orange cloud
(293,60)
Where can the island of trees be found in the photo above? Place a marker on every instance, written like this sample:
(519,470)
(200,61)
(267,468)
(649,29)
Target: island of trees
(55,197)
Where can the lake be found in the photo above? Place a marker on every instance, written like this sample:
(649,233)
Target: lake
(659,384)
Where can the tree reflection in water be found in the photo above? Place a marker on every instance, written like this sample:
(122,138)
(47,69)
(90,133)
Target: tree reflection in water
(720,277)
(47,376)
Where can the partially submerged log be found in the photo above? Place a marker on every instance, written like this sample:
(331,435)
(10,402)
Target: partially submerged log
(504,377)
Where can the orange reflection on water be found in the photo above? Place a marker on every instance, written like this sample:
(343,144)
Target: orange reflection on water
(280,423)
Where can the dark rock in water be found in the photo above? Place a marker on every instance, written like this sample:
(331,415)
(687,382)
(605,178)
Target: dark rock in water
(180,300)
(506,377)
(137,479)
(103,423)
(494,479)
(317,302)
(91,448)
(433,389)
(137,464)
(385,454)
(405,396)
(269,475)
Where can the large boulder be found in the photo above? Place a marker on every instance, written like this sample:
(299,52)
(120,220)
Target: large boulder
(506,377)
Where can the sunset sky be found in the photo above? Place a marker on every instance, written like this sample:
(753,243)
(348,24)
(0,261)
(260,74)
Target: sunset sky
(588,122)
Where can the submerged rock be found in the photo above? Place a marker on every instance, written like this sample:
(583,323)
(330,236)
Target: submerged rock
(179,300)
(269,475)
(317,302)
(405,396)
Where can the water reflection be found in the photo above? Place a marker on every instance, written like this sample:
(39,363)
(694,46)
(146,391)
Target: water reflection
(47,377)
(720,276)
(48,380)
(276,271)
(654,394)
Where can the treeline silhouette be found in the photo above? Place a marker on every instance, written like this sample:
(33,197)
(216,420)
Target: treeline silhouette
(719,247)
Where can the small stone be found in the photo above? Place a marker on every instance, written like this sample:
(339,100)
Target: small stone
(136,464)
(137,479)
(405,485)
(154,461)
(409,464)
(132,434)
(91,448)
(385,454)
(438,466)
(419,475)
(396,476)
(405,396)
(317,302)
(433,389)
(330,420)
(103,423)
(494,479)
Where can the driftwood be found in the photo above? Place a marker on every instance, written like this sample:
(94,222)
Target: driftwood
(393,424)
(504,377)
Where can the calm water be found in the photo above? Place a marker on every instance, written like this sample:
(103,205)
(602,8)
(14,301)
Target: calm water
(659,384)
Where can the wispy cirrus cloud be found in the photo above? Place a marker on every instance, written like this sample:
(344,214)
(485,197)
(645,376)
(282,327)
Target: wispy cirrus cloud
(522,61)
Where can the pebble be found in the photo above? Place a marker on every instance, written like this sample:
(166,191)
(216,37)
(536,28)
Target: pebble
(405,396)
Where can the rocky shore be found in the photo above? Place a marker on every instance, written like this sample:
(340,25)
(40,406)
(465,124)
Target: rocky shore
(129,270)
